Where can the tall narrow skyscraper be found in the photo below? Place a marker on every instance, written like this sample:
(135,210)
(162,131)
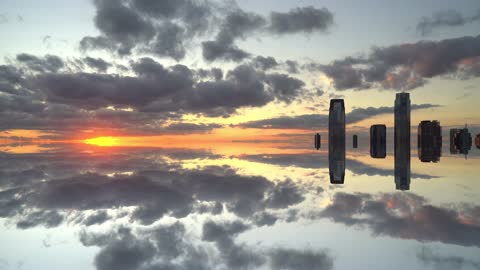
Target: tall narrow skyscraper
(336,141)
(318,141)
(429,141)
(355,141)
(402,141)
(378,141)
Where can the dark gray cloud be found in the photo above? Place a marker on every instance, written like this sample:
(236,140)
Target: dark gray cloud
(49,63)
(305,19)
(171,247)
(161,28)
(168,28)
(97,218)
(284,87)
(154,93)
(264,63)
(169,41)
(48,219)
(406,216)
(235,256)
(121,25)
(405,66)
(97,63)
(316,121)
(264,219)
(284,194)
(126,253)
(445,18)
(53,186)
(237,25)
(302,260)
(292,66)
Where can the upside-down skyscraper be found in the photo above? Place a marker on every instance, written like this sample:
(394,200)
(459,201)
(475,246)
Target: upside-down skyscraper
(402,141)
(336,141)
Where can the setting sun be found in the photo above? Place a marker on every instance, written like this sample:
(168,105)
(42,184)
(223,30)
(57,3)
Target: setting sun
(103,141)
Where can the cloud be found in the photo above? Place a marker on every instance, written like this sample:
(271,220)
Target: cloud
(284,194)
(49,188)
(405,66)
(124,253)
(315,121)
(168,28)
(292,66)
(121,25)
(284,87)
(142,101)
(264,63)
(97,63)
(49,63)
(302,260)
(160,28)
(317,161)
(305,19)
(48,218)
(445,18)
(406,216)
(97,218)
(236,25)
(427,257)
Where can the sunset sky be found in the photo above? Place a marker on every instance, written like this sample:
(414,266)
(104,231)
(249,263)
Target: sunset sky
(76,70)
(178,134)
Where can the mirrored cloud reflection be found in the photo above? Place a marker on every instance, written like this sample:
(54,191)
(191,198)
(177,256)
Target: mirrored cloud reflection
(159,213)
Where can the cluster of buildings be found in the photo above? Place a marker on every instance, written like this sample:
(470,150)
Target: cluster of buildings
(429,141)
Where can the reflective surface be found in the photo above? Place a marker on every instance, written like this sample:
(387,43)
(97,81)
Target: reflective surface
(271,208)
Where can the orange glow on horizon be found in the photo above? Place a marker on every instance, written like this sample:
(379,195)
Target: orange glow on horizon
(103,141)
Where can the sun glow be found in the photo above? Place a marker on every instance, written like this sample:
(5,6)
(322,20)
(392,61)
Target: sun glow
(102,141)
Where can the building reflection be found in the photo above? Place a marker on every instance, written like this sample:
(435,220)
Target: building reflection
(336,141)
(402,141)
(477,141)
(355,141)
(460,141)
(317,141)
(378,141)
(429,141)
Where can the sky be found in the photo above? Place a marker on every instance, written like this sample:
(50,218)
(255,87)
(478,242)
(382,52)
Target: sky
(234,70)
(177,134)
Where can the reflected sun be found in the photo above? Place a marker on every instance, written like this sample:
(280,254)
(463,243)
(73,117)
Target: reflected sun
(102,141)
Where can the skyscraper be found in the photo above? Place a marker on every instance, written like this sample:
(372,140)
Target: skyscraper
(318,141)
(378,141)
(355,141)
(336,141)
(429,141)
(453,147)
(460,141)
(477,141)
(402,141)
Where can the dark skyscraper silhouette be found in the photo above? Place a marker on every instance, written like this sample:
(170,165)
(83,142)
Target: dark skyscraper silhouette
(318,141)
(429,141)
(336,141)
(477,141)
(378,141)
(453,147)
(402,141)
(460,141)
(355,141)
